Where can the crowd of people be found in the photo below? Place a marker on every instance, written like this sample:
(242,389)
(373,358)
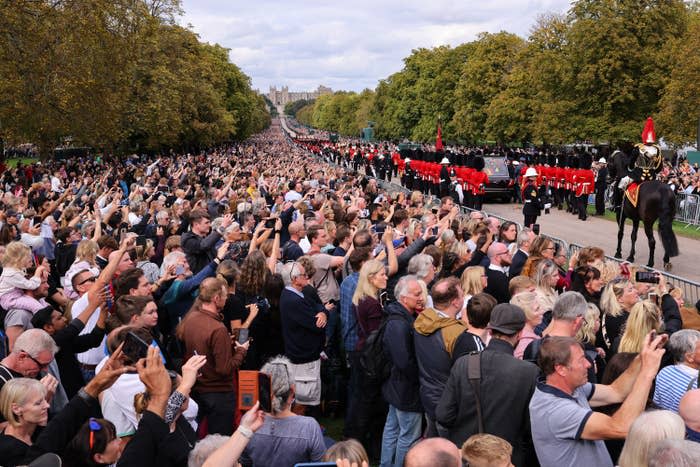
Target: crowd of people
(135,292)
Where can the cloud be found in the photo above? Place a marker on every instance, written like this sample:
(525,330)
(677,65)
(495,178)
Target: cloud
(348,45)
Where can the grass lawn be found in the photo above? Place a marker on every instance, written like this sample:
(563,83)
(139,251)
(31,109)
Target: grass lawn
(23,160)
(679,228)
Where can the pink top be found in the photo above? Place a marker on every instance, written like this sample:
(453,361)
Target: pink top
(526,337)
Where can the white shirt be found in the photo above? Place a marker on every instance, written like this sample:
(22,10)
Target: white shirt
(292,196)
(96,354)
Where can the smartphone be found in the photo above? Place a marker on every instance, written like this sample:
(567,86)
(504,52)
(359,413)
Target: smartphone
(270,223)
(37,220)
(179,270)
(243,335)
(435,230)
(647,277)
(265,392)
(536,229)
(134,347)
(328,195)
(254,386)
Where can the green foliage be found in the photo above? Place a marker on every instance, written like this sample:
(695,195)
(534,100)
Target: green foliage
(117,75)
(292,108)
(680,101)
(345,113)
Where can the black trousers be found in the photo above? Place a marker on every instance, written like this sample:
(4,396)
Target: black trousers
(582,206)
(600,201)
(529,220)
(219,408)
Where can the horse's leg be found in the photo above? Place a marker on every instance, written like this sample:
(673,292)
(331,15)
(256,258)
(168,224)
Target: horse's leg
(648,229)
(635,229)
(620,232)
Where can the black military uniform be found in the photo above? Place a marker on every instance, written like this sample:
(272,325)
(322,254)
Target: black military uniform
(531,202)
(600,187)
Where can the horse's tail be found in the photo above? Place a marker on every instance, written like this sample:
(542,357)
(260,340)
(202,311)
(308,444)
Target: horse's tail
(668,212)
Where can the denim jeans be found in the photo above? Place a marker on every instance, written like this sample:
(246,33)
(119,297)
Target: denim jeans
(401,430)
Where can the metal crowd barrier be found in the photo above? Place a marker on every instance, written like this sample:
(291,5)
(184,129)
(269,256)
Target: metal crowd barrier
(688,209)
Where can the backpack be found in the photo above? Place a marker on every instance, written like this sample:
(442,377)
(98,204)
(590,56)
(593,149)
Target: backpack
(374,361)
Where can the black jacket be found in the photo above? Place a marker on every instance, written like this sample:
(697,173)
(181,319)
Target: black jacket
(199,251)
(671,313)
(400,389)
(70,342)
(506,387)
(516,265)
(497,285)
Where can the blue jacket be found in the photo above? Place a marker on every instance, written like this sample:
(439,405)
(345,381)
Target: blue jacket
(400,390)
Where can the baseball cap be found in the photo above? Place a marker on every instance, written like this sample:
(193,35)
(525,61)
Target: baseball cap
(507,319)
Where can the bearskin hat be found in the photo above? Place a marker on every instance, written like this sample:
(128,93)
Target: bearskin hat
(479,163)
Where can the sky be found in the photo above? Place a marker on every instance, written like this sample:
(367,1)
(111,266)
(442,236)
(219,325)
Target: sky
(348,45)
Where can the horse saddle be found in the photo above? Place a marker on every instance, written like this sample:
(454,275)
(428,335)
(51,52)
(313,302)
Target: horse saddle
(632,193)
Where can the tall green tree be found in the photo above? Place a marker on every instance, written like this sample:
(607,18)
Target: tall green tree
(483,77)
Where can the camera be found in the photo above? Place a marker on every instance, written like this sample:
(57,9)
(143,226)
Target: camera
(647,277)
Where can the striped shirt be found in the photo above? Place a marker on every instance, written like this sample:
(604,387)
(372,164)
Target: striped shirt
(348,320)
(672,383)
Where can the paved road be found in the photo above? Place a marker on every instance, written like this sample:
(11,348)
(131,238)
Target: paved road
(603,233)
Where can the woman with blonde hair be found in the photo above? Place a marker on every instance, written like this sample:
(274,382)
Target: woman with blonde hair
(366,301)
(546,278)
(644,434)
(616,301)
(528,302)
(474,281)
(23,404)
(643,318)
(586,335)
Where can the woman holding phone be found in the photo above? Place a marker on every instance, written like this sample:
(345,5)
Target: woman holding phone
(284,438)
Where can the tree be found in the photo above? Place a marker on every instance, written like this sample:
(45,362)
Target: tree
(483,76)
(680,100)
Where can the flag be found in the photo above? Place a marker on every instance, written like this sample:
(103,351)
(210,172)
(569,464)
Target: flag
(438,140)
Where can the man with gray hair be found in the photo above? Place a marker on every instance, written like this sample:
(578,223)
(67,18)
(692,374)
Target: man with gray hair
(32,355)
(567,318)
(524,240)
(403,423)
(303,328)
(674,381)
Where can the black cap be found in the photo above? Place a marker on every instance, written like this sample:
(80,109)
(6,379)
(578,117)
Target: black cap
(507,319)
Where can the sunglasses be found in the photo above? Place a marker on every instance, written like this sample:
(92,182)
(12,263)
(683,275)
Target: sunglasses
(41,366)
(89,279)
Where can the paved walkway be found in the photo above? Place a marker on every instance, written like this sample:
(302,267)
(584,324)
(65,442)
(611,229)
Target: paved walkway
(603,233)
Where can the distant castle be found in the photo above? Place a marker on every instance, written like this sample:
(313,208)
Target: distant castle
(283,96)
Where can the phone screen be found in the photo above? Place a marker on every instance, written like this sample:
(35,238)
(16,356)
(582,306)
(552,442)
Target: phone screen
(536,229)
(243,335)
(134,347)
(265,392)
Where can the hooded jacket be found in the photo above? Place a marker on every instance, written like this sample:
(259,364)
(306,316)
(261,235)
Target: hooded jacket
(438,342)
